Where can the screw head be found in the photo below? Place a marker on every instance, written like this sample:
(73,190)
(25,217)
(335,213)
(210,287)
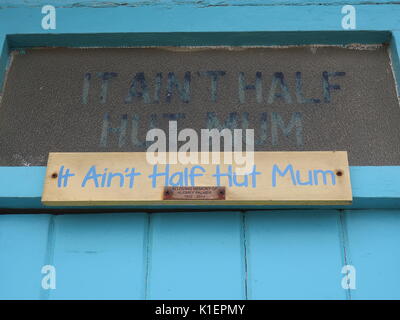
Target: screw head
(339,173)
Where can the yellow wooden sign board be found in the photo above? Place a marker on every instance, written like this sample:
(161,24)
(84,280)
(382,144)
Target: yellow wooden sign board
(127,178)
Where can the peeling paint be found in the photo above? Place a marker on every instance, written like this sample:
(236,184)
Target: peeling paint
(198,3)
(395,76)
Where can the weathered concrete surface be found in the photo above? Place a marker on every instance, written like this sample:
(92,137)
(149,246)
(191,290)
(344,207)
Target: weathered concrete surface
(49,106)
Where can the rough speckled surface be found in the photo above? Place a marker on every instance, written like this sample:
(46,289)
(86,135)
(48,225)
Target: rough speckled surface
(42,109)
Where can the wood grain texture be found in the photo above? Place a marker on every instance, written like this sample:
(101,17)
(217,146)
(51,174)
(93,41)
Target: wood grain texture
(285,188)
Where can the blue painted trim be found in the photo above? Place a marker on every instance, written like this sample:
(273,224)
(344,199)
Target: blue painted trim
(169,3)
(4,56)
(395,59)
(373,187)
(187,18)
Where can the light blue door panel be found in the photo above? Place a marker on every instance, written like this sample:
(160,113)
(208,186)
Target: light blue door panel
(278,254)
(374,251)
(99,256)
(294,255)
(23,243)
(196,256)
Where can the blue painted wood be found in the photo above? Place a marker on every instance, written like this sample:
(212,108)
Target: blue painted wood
(294,255)
(196,256)
(395,58)
(191,19)
(23,182)
(100,256)
(4,57)
(284,254)
(375,182)
(169,3)
(374,251)
(23,244)
(373,187)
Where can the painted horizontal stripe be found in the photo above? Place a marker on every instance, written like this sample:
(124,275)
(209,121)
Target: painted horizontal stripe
(192,19)
(373,187)
(169,3)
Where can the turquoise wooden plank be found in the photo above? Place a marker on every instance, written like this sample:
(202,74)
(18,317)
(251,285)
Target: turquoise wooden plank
(191,19)
(395,59)
(169,3)
(196,256)
(374,251)
(375,182)
(100,256)
(23,243)
(4,57)
(294,255)
(22,182)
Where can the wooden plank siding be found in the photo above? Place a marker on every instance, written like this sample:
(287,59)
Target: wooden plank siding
(277,254)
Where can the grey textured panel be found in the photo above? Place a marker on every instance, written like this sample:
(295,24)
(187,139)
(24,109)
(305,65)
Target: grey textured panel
(304,99)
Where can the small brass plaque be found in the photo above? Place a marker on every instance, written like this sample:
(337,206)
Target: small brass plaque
(194,193)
